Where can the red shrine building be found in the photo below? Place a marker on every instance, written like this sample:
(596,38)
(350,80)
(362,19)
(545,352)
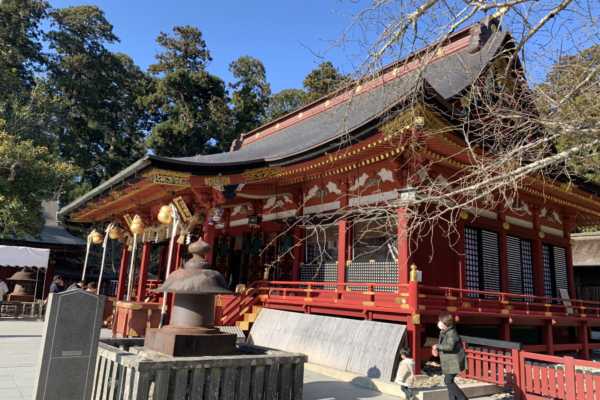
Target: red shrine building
(508,274)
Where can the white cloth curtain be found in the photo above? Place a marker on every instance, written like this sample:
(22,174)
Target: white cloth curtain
(18,256)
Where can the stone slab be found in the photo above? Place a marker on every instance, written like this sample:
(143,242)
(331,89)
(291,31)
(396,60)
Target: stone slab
(69,346)
(367,348)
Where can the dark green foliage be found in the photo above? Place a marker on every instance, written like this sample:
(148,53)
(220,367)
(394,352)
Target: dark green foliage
(323,80)
(20,51)
(188,103)
(251,91)
(98,118)
(578,109)
(284,102)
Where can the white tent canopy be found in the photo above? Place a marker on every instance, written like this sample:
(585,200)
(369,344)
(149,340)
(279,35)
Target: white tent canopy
(19,256)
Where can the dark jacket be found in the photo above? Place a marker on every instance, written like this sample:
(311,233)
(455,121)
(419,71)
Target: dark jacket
(451,351)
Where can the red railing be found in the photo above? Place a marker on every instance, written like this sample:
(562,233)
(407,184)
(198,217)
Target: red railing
(567,378)
(533,376)
(394,301)
(481,302)
(492,361)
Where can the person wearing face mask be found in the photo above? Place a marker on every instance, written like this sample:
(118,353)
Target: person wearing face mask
(452,355)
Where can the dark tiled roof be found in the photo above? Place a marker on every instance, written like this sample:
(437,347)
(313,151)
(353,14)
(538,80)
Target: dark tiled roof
(447,76)
(52,233)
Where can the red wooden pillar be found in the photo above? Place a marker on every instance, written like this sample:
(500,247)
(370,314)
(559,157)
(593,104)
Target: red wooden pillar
(584,339)
(414,332)
(143,278)
(403,244)
(503,253)
(122,273)
(505,330)
(342,252)
(162,262)
(549,337)
(568,226)
(538,256)
(175,262)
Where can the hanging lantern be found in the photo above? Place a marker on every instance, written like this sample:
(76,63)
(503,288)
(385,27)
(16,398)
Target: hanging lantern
(165,215)
(96,237)
(114,233)
(137,225)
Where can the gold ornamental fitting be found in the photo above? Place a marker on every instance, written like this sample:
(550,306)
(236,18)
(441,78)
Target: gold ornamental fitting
(413,273)
(165,215)
(464,215)
(137,225)
(96,237)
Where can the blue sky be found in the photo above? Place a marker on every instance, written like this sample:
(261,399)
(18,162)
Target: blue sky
(289,37)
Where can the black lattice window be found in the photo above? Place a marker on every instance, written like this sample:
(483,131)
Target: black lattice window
(555,270)
(482,261)
(560,268)
(321,244)
(548,273)
(374,240)
(372,272)
(472,258)
(520,266)
(325,272)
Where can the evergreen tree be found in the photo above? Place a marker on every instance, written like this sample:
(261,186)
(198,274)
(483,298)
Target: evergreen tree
(251,91)
(20,51)
(581,108)
(284,102)
(97,114)
(188,103)
(29,174)
(323,80)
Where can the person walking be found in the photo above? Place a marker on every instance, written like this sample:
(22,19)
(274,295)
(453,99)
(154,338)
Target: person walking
(406,374)
(57,285)
(452,355)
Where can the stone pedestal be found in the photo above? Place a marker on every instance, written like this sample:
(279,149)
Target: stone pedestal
(188,342)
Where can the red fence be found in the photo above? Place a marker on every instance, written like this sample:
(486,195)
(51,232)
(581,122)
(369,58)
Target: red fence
(544,376)
(533,376)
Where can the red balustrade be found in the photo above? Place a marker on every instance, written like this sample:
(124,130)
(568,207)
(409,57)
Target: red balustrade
(544,376)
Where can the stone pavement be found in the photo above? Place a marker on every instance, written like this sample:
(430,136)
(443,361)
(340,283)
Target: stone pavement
(19,347)
(20,344)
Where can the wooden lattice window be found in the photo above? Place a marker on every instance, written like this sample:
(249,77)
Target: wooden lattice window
(555,270)
(482,260)
(520,265)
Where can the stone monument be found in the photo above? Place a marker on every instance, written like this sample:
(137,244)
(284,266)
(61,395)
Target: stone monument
(69,346)
(191,330)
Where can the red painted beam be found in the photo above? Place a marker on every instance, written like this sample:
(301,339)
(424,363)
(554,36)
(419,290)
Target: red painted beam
(122,273)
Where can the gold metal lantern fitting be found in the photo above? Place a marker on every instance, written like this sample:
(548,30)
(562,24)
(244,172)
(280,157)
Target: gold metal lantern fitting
(114,233)
(165,215)
(96,237)
(137,225)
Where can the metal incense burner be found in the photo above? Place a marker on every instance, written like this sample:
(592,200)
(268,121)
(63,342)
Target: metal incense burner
(191,330)
(23,289)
